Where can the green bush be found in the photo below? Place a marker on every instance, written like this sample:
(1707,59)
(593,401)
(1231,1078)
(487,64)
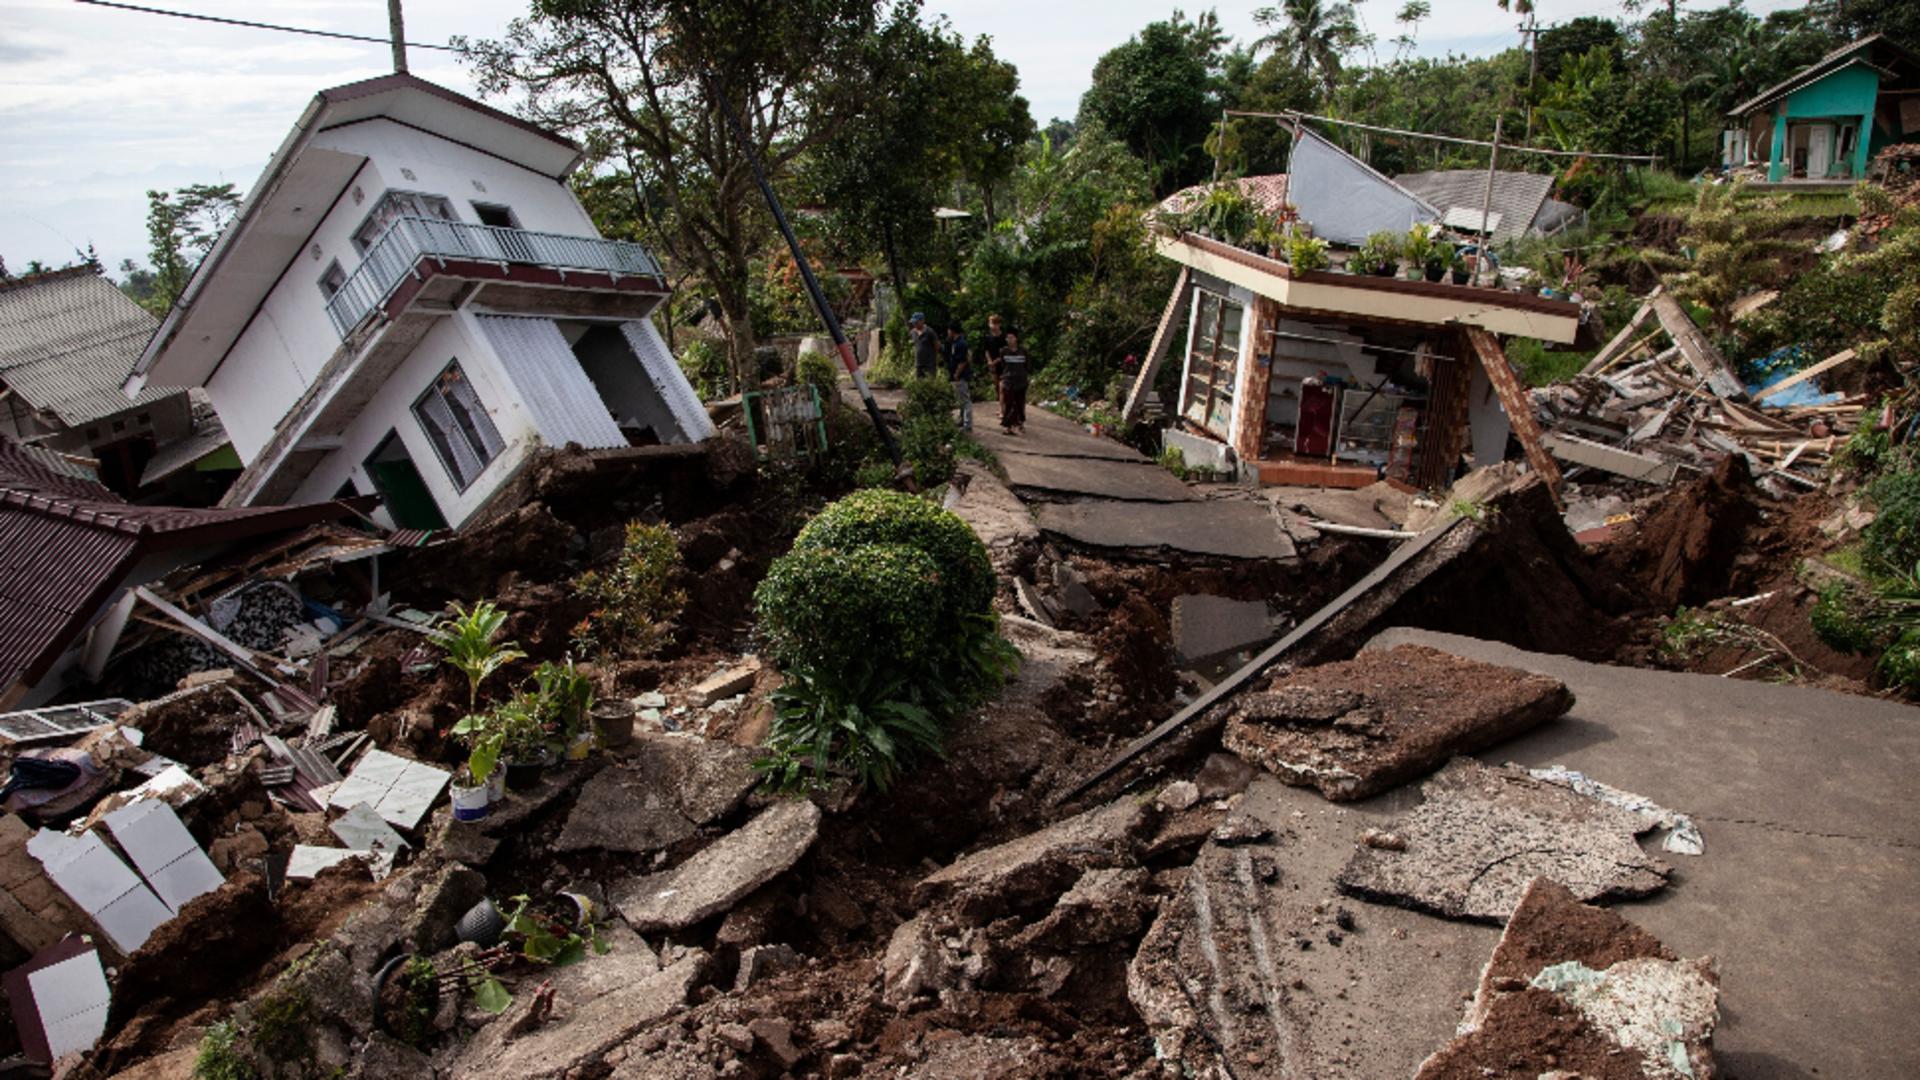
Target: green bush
(844,610)
(820,371)
(928,445)
(928,398)
(705,365)
(1893,538)
(1900,664)
(220,1056)
(893,517)
(634,600)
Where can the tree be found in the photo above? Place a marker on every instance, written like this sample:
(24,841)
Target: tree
(652,81)
(1315,34)
(139,283)
(1576,37)
(1158,94)
(182,226)
(1412,14)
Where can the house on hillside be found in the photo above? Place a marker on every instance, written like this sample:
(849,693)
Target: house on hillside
(67,339)
(1829,119)
(71,552)
(409,303)
(1520,205)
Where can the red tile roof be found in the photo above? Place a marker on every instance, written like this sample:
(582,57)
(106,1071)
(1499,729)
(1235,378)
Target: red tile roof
(66,544)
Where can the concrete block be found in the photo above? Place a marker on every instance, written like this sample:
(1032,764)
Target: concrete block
(725,683)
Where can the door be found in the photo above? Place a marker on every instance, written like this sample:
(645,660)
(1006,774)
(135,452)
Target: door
(401,487)
(1819,150)
(1313,435)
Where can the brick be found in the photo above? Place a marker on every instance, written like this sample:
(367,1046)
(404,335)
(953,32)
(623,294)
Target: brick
(27,930)
(35,892)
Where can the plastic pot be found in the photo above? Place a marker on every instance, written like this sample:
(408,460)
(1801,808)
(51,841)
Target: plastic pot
(613,723)
(580,746)
(470,803)
(522,775)
(482,925)
(497,784)
(1461,277)
(1435,273)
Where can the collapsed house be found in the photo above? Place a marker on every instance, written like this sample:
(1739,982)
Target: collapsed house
(1518,205)
(67,338)
(1829,118)
(411,301)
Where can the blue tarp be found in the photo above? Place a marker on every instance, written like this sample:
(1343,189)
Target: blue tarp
(1780,365)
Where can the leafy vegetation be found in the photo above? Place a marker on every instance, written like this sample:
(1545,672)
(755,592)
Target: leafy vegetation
(635,601)
(469,636)
(220,1056)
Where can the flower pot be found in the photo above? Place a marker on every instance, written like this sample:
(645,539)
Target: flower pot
(1384,270)
(1435,273)
(523,775)
(470,803)
(1461,277)
(482,925)
(613,724)
(497,784)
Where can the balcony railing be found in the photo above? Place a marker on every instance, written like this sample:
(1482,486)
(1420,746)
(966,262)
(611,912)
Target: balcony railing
(411,239)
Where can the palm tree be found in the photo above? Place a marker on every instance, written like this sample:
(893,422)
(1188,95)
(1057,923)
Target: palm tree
(1315,34)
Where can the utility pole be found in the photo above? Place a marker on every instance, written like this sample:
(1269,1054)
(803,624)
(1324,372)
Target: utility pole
(1486,203)
(396,26)
(1532,32)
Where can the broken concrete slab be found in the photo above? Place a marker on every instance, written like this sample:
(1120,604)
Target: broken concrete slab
(660,793)
(725,683)
(1130,481)
(1001,521)
(1377,506)
(1036,868)
(721,874)
(1106,905)
(1222,775)
(1583,991)
(1054,436)
(1362,726)
(1482,834)
(1210,626)
(570,1038)
(1228,528)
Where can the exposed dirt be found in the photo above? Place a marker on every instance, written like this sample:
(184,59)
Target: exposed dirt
(1525,1031)
(1703,541)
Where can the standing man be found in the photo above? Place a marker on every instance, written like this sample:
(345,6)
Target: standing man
(926,347)
(991,347)
(960,370)
(1013,387)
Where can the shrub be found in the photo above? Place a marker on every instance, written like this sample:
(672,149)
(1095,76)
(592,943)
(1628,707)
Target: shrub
(468,636)
(928,445)
(1900,664)
(705,365)
(892,517)
(1837,620)
(874,473)
(1174,460)
(1306,252)
(1893,538)
(927,399)
(634,601)
(820,371)
(829,610)
(220,1057)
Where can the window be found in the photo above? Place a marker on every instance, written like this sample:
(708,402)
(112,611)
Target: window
(457,423)
(144,419)
(500,217)
(399,204)
(333,280)
(1207,398)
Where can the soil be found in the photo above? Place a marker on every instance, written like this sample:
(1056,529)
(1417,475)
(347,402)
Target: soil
(1551,927)
(1522,1033)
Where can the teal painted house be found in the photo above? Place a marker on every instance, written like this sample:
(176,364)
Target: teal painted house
(1827,121)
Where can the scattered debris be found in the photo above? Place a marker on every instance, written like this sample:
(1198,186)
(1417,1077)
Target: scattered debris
(1683,837)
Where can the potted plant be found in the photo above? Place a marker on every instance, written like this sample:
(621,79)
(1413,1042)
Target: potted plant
(613,723)
(1381,249)
(1436,264)
(563,699)
(470,795)
(523,743)
(1416,250)
(1267,236)
(468,636)
(1306,252)
(1458,267)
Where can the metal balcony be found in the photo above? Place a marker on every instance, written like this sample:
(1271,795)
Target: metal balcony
(410,240)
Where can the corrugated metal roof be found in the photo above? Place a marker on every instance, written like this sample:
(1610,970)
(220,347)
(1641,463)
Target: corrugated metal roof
(1517,196)
(67,543)
(68,339)
(209,435)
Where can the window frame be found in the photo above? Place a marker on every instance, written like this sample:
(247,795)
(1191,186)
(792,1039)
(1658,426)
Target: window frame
(364,239)
(481,453)
(1212,363)
(333,268)
(513,219)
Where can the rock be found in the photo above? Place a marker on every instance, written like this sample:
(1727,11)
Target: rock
(759,961)
(443,898)
(1105,905)
(1483,834)
(230,853)
(1036,868)
(915,963)
(664,789)
(1357,728)
(1241,829)
(725,683)
(460,841)
(776,1038)
(385,1057)
(1385,841)
(1178,795)
(571,1038)
(1210,626)
(735,1036)
(721,874)
(1223,775)
(831,1034)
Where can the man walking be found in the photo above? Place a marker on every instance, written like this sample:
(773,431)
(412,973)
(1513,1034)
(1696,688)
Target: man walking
(960,370)
(1013,387)
(991,347)
(926,347)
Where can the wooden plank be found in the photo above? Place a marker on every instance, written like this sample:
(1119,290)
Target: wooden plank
(1801,376)
(1519,407)
(1700,353)
(1612,348)
(1625,463)
(1157,352)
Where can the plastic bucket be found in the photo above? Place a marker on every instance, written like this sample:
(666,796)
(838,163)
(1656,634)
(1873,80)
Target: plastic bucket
(470,803)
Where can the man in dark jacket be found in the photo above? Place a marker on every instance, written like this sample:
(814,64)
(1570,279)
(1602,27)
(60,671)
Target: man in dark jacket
(926,347)
(960,370)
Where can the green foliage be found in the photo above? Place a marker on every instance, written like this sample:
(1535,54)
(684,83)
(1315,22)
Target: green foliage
(1156,93)
(872,727)
(1829,307)
(889,517)
(706,368)
(1379,252)
(874,473)
(1735,246)
(927,444)
(820,371)
(1839,619)
(220,1056)
(927,399)
(1315,35)
(1478,512)
(421,985)
(1540,366)
(280,1026)
(182,226)
(1419,247)
(1174,460)
(1868,451)
(562,698)
(634,600)
(1306,252)
(468,636)
(548,940)
(1900,664)
(1594,104)
(1689,631)
(835,611)
(1892,540)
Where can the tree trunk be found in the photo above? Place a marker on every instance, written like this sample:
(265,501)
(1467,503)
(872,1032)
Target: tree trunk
(741,344)
(893,262)
(986,198)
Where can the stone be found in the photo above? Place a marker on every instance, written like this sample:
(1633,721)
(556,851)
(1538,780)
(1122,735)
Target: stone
(665,788)
(725,683)
(1040,866)
(1241,829)
(230,853)
(1482,834)
(1223,775)
(569,1039)
(443,898)
(1178,795)
(1211,626)
(916,963)
(1105,905)
(831,1034)
(721,874)
(759,961)
(1359,727)
(776,1038)
(734,1036)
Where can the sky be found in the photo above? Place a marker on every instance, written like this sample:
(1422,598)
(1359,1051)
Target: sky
(98,105)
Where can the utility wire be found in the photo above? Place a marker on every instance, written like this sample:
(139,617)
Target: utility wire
(260,25)
(1510,147)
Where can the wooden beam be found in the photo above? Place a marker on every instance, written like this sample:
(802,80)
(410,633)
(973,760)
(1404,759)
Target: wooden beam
(1612,348)
(1625,463)
(1519,407)
(1157,351)
(1251,402)
(1799,377)
(1699,351)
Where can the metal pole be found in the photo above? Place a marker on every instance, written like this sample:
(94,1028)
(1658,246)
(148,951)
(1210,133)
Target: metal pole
(1486,201)
(397,28)
(1219,143)
(820,304)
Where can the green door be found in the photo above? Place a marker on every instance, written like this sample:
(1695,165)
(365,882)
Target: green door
(401,487)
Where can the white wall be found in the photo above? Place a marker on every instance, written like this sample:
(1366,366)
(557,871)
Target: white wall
(290,338)
(456,337)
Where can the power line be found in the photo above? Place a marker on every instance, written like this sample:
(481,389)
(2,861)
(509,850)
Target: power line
(260,25)
(1296,116)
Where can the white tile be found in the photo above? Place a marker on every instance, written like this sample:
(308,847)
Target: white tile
(404,808)
(189,876)
(151,834)
(380,767)
(308,860)
(355,790)
(362,828)
(69,987)
(76,1033)
(423,780)
(93,876)
(132,918)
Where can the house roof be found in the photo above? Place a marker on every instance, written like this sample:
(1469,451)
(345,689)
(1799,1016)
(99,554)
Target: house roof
(208,436)
(1517,196)
(292,196)
(67,340)
(66,544)
(1869,49)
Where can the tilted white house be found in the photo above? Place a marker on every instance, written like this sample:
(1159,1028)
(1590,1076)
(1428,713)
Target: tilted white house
(410,302)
